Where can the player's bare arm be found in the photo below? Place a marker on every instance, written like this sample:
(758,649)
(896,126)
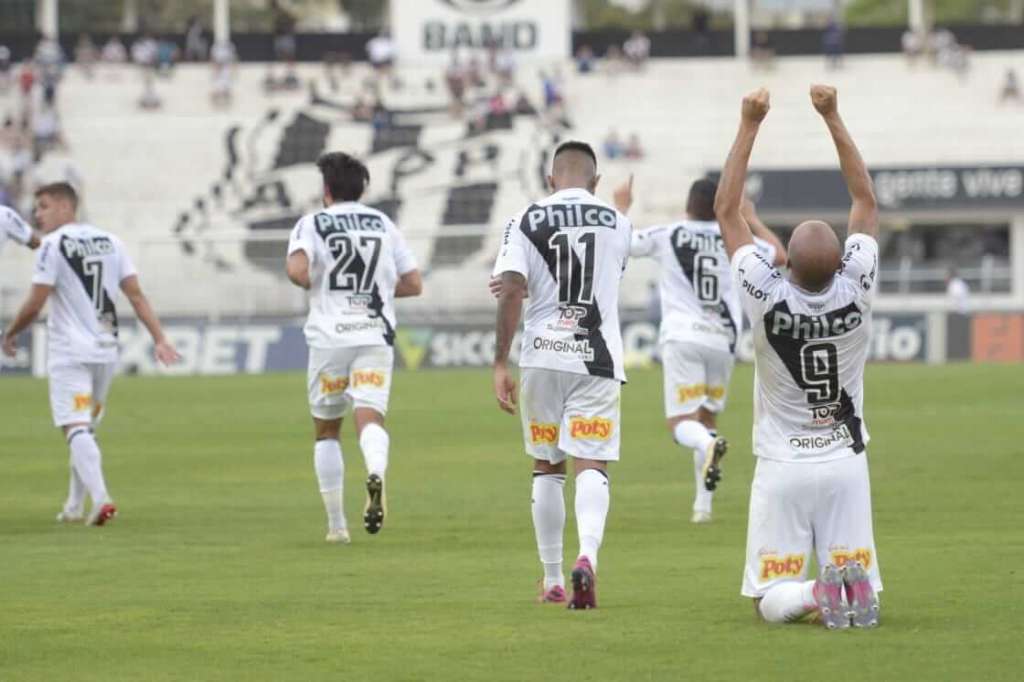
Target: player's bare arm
(622,197)
(729,198)
(27,314)
(510,309)
(864,210)
(297,267)
(410,284)
(163,350)
(762,231)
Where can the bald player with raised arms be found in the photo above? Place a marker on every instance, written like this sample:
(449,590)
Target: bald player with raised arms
(811,490)
(565,253)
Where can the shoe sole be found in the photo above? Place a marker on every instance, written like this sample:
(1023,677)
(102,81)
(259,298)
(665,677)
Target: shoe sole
(582,590)
(373,514)
(712,473)
(107,512)
(833,615)
(864,610)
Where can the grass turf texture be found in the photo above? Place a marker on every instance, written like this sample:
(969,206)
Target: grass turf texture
(217,570)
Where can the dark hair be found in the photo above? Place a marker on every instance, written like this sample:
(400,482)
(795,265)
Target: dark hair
(60,190)
(701,202)
(576,146)
(345,177)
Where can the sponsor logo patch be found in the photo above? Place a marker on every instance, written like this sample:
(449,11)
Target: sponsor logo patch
(839,436)
(580,349)
(332,385)
(788,566)
(82,401)
(840,555)
(543,434)
(693,391)
(376,379)
(595,428)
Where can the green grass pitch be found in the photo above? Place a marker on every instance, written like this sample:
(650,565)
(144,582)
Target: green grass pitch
(216,568)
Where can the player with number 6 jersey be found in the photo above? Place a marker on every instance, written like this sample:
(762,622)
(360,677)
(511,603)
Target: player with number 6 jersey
(354,262)
(700,324)
(80,268)
(566,254)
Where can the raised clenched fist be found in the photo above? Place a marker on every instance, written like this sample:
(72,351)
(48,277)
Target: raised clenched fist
(824,99)
(755,105)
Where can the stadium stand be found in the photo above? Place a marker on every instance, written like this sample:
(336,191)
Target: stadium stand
(206,215)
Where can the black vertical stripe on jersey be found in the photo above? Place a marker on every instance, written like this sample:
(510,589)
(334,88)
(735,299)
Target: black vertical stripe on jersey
(730,325)
(107,312)
(847,415)
(376,307)
(790,349)
(602,365)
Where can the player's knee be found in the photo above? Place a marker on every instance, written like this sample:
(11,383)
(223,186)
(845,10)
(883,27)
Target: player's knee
(673,422)
(326,429)
(543,467)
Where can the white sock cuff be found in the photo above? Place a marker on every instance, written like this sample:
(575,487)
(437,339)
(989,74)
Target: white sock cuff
(692,434)
(330,467)
(556,479)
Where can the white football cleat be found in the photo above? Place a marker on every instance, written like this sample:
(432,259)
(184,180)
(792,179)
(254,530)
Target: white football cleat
(70,517)
(338,537)
(701,517)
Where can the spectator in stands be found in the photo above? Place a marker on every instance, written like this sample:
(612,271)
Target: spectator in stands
(381,52)
(1011,87)
(284,33)
(86,55)
(196,43)
(475,72)
(612,145)
(49,59)
(700,23)
(637,50)
(584,59)
(552,91)
(634,150)
(166,56)
(613,60)
(913,46)
(957,293)
(832,43)
(455,79)
(505,66)
(223,57)
(5,68)
(762,51)
(46,132)
(113,51)
(145,53)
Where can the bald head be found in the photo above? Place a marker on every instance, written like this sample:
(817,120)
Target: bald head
(814,255)
(574,165)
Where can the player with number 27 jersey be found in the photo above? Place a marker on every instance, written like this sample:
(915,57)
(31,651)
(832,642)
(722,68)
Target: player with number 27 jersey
(356,256)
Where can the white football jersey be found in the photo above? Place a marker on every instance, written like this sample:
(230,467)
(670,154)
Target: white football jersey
(13,227)
(356,256)
(571,248)
(699,303)
(809,355)
(85,266)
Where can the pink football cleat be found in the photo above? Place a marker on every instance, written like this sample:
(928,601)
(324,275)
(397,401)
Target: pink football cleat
(584,585)
(828,595)
(553,595)
(863,603)
(99,516)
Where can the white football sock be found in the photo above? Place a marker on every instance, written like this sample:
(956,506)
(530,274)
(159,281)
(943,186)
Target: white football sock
(592,501)
(690,433)
(549,525)
(702,496)
(76,491)
(788,601)
(88,463)
(374,442)
(330,473)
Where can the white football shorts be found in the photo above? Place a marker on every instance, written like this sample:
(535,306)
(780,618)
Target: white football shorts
(695,376)
(341,378)
(800,507)
(569,415)
(78,391)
